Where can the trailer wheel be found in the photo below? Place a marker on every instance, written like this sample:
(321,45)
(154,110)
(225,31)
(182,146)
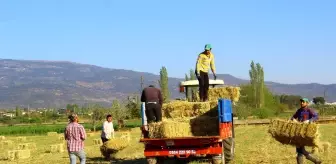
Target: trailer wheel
(228,149)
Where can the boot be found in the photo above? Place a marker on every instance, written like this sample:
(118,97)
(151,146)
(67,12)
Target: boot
(299,159)
(313,159)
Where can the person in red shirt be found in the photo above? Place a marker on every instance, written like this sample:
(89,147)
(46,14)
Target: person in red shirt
(75,135)
(306,115)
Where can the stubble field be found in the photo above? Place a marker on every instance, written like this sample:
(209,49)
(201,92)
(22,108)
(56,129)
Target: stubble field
(253,146)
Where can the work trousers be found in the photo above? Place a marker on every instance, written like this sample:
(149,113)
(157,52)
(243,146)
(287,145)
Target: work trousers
(80,154)
(203,81)
(153,112)
(104,139)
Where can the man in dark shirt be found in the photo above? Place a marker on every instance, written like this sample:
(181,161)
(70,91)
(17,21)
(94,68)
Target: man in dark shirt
(153,102)
(306,115)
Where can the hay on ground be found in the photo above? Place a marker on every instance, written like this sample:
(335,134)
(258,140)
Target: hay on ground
(186,127)
(294,133)
(90,134)
(21,139)
(18,154)
(229,92)
(2,138)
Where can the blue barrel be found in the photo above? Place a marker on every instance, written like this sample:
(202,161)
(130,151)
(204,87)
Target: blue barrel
(225,110)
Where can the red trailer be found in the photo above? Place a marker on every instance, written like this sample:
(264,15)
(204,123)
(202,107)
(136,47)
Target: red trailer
(218,148)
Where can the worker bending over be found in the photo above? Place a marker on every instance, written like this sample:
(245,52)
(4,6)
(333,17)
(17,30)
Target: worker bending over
(107,132)
(306,115)
(152,98)
(204,61)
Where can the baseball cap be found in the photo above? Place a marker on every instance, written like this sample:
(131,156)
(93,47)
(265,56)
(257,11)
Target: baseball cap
(208,47)
(304,99)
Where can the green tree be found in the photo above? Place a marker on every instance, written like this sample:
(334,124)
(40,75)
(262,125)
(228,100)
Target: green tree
(257,82)
(164,84)
(253,82)
(18,112)
(133,105)
(319,100)
(98,114)
(193,89)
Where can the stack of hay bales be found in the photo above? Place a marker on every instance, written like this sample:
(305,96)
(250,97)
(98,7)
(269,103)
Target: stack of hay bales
(294,133)
(113,145)
(229,92)
(18,154)
(56,148)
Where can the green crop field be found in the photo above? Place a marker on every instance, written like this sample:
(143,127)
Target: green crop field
(253,146)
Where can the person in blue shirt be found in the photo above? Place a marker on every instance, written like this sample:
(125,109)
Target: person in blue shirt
(306,115)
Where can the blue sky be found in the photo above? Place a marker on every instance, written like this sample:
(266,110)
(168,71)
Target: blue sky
(295,41)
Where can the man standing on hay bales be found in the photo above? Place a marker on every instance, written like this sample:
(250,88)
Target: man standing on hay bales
(306,115)
(108,130)
(204,60)
(153,100)
(75,135)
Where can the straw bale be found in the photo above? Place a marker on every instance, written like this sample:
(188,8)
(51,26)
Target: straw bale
(90,134)
(126,136)
(131,152)
(7,143)
(97,142)
(294,133)
(11,155)
(61,138)
(176,109)
(22,154)
(21,139)
(2,138)
(57,148)
(228,92)
(23,146)
(112,146)
(51,134)
(185,127)
(18,154)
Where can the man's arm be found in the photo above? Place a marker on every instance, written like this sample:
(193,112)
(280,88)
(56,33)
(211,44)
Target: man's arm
(82,133)
(313,114)
(143,96)
(296,115)
(198,65)
(212,65)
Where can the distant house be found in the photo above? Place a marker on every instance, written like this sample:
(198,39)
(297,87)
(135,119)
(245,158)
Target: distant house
(3,114)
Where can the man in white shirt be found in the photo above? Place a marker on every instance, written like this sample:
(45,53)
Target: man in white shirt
(108,130)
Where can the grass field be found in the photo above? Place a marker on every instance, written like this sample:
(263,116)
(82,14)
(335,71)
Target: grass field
(253,146)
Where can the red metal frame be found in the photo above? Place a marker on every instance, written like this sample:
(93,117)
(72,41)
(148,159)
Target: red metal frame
(183,147)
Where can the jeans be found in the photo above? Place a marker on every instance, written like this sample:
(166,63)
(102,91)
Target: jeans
(80,154)
(153,112)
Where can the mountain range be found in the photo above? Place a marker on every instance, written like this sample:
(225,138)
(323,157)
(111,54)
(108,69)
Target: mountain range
(42,84)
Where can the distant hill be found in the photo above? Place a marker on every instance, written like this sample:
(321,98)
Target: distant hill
(55,84)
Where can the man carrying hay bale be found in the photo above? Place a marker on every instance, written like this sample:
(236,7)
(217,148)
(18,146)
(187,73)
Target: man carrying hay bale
(108,130)
(153,103)
(306,115)
(75,135)
(205,59)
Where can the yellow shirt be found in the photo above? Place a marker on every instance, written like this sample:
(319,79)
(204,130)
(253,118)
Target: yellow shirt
(204,62)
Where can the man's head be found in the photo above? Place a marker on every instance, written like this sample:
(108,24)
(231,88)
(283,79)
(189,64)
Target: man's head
(109,118)
(73,118)
(207,48)
(304,102)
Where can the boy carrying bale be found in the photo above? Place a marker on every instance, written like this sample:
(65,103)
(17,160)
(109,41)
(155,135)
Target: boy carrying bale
(306,115)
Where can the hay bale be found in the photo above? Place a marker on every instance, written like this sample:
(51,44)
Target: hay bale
(175,109)
(56,148)
(186,127)
(21,139)
(294,133)
(126,136)
(90,134)
(23,146)
(18,154)
(2,138)
(61,138)
(112,146)
(228,92)
(22,154)
(97,142)
(51,134)
(7,143)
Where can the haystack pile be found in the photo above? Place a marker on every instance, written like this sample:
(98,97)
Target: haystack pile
(294,133)
(180,109)
(232,93)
